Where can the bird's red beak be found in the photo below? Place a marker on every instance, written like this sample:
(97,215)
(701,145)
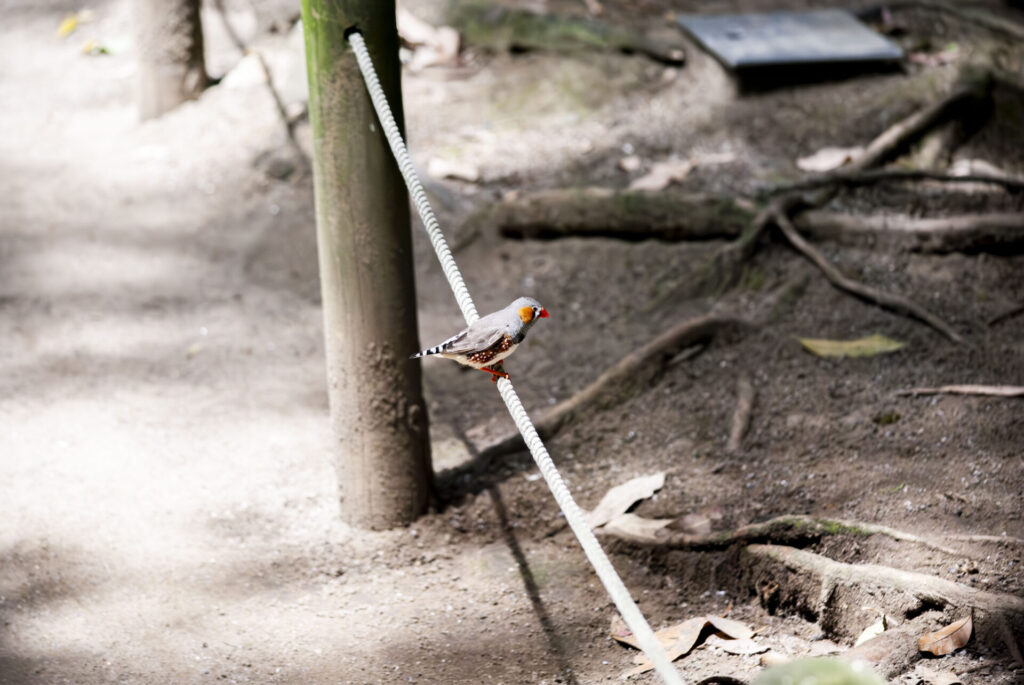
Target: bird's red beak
(543,313)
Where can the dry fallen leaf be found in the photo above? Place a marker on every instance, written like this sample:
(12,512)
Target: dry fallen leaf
(621,632)
(633,527)
(871,632)
(952,637)
(685,635)
(666,636)
(67,25)
(731,628)
(863,347)
(742,646)
(829,158)
(620,498)
(680,639)
(662,174)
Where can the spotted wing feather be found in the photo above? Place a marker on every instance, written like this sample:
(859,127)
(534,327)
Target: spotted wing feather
(469,341)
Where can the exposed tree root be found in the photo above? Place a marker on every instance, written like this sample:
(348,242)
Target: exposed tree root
(609,213)
(989,539)
(808,583)
(966,233)
(875,176)
(842,597)
(973,94)
(897,303)
(794,529)
(741,417)
(724,266)
(617,383)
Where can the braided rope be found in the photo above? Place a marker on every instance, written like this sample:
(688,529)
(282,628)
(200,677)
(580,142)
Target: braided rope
(573,515)
(412,181)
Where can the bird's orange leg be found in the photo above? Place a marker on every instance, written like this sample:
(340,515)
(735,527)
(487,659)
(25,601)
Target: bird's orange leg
(497,370)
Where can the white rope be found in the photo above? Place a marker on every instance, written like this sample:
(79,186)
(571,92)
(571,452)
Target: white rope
(573,515)
(419,198)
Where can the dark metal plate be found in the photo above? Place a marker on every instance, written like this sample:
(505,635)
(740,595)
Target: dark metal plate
(778,38)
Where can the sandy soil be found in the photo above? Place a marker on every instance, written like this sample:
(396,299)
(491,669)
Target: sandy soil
(165,472)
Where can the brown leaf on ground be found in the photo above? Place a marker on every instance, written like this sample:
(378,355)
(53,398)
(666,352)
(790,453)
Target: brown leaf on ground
(952,637)
(730,628)
(680,639)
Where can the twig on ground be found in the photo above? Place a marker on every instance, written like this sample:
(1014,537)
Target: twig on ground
(896,303)
(741,417)
(964,233)
(990,390)
(620,380)
(1008,314)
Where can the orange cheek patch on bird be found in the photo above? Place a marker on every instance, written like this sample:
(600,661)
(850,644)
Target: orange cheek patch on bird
(526,314)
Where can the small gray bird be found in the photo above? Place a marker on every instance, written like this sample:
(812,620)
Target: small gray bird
(491,338)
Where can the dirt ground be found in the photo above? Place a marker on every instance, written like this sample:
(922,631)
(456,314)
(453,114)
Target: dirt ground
(166,479)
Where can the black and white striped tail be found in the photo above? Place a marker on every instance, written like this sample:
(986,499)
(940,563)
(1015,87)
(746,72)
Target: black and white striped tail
(436,349)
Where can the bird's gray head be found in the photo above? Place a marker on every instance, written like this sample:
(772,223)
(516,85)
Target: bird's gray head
(529,310)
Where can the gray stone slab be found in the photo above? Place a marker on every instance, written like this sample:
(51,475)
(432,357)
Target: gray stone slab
(779,38)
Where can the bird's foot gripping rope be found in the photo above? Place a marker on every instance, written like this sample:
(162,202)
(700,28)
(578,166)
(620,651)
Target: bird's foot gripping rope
(573,515)
(498,370)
